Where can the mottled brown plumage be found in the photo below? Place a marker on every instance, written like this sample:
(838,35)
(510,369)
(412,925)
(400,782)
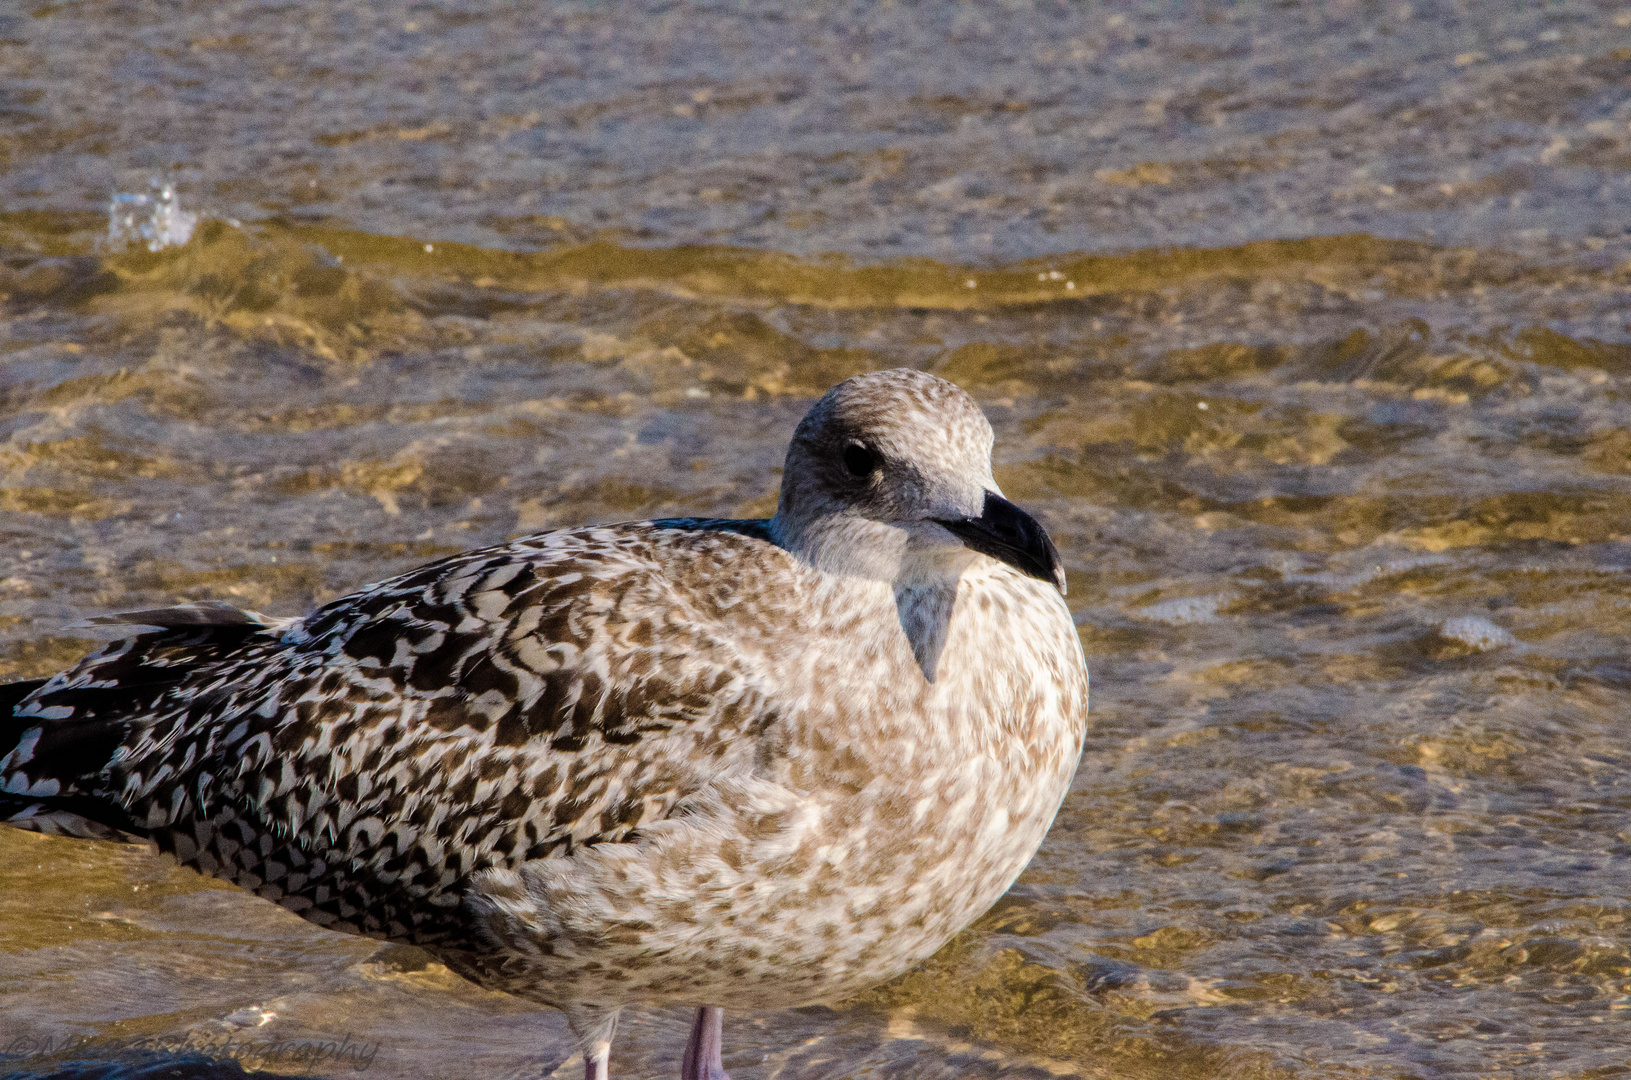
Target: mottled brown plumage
(663,761)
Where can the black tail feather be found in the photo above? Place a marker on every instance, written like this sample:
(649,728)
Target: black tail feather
(12,695)
(70,815)
(77,726)
(60,815)
(198,613)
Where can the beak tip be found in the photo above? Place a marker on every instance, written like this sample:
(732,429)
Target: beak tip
(1008,534)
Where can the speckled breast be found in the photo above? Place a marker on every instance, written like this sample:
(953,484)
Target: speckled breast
(882,815)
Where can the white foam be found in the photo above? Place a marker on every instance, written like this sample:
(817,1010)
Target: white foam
(153,218)
(1481,634)
(1183,610)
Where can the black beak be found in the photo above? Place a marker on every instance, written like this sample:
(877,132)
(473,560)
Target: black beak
(1008,534)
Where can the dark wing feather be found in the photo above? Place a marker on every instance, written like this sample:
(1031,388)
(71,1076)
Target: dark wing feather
(200,613)
(499,706)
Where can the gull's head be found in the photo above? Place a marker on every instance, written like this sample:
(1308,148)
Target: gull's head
(899,461)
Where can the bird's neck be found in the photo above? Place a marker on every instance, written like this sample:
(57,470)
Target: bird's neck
(903,556)
(912,568)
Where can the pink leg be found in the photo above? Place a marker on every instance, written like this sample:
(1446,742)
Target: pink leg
(702,1052)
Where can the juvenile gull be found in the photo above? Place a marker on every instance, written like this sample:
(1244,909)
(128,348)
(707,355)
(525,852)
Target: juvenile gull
(680,761)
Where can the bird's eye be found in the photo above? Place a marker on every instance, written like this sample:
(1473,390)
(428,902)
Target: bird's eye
(859,460)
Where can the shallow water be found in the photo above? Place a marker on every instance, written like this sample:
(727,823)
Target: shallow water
(1304,330)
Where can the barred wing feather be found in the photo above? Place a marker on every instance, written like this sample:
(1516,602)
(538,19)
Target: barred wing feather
(359,765)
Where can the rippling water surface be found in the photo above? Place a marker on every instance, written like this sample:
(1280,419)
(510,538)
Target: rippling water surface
(1304,329)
